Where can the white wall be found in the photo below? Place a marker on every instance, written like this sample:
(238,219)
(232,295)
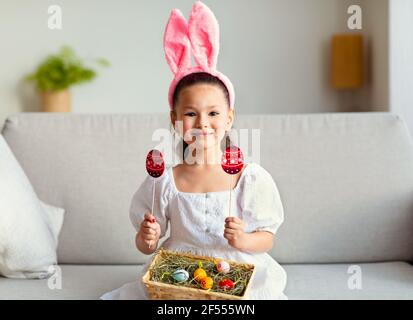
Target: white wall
(376,32)
(276,52)
(374,95)
(401,59)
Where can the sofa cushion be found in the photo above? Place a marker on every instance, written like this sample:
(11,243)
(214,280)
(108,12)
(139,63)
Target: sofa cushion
(391,280)
(387,281)
(29,228)
(346,181)
(78,282)
(91,166)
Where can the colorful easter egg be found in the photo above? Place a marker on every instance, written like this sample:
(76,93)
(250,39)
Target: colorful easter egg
(199,274)
(232,160)
(180,275)
(155,165)
(226,284)
(223,266)
(207,283)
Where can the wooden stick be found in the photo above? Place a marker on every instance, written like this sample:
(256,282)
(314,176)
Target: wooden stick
(230,194)
(153,200)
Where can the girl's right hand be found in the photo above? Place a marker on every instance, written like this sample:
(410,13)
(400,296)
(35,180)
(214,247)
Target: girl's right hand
(150,230)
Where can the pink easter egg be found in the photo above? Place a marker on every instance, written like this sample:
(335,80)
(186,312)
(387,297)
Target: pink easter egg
(223,266)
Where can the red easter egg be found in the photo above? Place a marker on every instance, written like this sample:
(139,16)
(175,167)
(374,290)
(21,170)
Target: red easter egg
(232,160)
(226,284)
(155,165)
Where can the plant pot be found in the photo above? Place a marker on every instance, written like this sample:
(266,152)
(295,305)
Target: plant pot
(55,101)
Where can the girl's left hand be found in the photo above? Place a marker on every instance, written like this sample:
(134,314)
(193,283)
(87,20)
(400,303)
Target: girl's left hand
(234,231)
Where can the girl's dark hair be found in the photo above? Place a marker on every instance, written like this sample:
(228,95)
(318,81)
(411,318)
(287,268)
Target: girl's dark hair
(198,78)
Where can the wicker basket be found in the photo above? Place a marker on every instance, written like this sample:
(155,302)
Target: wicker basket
(164,291)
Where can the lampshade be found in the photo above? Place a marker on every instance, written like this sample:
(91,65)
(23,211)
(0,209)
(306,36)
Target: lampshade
(347,61)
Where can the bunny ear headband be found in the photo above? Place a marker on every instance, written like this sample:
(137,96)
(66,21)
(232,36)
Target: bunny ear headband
(201,34)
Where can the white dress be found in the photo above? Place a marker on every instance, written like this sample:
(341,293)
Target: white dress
(197,225)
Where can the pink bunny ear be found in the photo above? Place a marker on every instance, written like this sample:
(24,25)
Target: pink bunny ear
(204,36)
(176,42)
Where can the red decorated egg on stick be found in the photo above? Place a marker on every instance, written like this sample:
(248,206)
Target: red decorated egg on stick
(232,160)
(155,166)
(232,163)
(226,284)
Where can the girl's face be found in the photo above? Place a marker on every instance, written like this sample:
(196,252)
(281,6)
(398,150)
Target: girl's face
(205,115)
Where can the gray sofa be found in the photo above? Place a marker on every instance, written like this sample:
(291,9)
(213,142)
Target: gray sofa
(346,181)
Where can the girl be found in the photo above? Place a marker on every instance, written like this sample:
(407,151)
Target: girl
(193,196)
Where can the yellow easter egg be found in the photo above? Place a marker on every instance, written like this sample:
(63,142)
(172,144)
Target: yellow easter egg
(206,283)
(199,274)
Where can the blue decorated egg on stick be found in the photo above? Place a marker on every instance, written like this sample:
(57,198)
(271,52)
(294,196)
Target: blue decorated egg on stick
(180,275)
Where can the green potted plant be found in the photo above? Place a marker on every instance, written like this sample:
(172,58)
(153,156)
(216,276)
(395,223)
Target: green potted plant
(56,74)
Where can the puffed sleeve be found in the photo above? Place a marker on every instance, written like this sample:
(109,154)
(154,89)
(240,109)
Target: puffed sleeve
(262,209)
(142,202)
